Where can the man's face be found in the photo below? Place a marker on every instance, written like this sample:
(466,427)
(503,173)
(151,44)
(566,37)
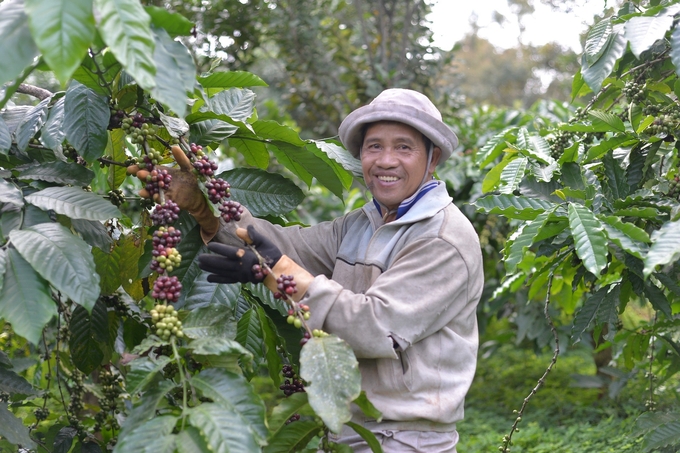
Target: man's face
(394,161)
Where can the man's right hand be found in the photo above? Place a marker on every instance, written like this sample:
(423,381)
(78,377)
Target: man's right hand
(184,191)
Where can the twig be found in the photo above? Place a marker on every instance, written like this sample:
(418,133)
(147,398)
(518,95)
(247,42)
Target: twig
(507,439)
(34,91)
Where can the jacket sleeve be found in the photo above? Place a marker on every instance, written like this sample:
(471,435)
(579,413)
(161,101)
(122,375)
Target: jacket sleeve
(432,284)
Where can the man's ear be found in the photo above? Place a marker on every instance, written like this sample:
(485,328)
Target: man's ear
(436,155)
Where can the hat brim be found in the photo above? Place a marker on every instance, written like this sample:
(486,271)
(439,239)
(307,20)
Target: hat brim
(351,129)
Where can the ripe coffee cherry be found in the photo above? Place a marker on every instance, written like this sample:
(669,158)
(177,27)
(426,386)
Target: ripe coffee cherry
(259,272)
(204,166)
(286,286)
(165,259)
(167,237)
(231,210)
(165,214)
(157,180)
(166,288)
(291,384)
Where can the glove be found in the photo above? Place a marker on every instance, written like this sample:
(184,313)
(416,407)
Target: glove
(184,191)
(236,264)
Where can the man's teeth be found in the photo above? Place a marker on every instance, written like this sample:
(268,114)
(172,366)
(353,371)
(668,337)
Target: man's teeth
(387,178)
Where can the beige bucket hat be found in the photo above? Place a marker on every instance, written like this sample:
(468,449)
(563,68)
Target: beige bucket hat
(405,106)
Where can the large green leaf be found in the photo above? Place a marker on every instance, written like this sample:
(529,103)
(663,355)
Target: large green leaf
(514,207)
(368,436)
(152,436)
(201,293)
(595,73)
(493,147)
(86,117)
(231,79)
(62,259)
(147,406)
(211,131)
(173,23)
(5,138)
(613,123)
(9,193)
(663,429)
(115,147)
(523,239)
(626,235)
(74,202)
(297,403)
(233,392)
(63,31)
(253,150)
(665,247)
(31,124)
(125,27)
(89,336)
(52,133)
(25,300)
(512,175)
(272,344)
(224,430)
(600,306)
(616,183)
(143,372)
(190,440)
(18,48)
(589,238)
(597,40)
(249,333)
(3,267)
(57,172)
(262,192)
(293,437)
(12,428)
(12,383)
(310,160)
(211,321)
(333,380)
(342,157)
(675,49)
(178,75)
(641,32)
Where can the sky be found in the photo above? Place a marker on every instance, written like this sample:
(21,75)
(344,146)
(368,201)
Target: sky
(451,21)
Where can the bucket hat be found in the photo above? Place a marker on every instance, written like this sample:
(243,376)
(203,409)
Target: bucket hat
(404,106)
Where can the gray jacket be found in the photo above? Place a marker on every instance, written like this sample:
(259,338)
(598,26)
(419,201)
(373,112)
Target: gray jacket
(403,295)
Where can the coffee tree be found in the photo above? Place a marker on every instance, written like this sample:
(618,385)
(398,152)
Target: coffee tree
(595,203)
(113,338)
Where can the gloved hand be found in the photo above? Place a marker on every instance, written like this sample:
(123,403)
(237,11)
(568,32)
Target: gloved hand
(184,191)
(236,264)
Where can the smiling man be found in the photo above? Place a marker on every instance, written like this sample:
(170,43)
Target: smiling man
(399,279)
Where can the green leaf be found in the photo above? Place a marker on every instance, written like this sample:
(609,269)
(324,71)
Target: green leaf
(125,27)
(663,434)
(211,321)
(615,182)
(341,156)
(18,48)
(367,407)
(217,346)
(296,403)
(143,372)
(262,192)
(254,151)
(153,436)
(148,404)
(596,40)
(93,233)
(368,436)
(293,437)
(57,172)
(178,75)
(512,175)
(641,32)
(493,147)
(236,103)
(12,428)
(173,23)
(202,293)
(272,344)
(86,117)
(88,332)
(25,300)
(74,202)
(190,440)
(658,299)
(675,49)
(514,207)
(522,240)
(231,391)
(224,430)
(614,123)
(595,73)
(62,259)
(314,162)
(63,31)
(176,127)
(600,306)
(589,238)
(12,383)
(31,124)
(626,235)
(604,146)
(231,79)
(211,131)
(9,193)
(52,133)
(249,333)
(665,247)
(333,380)
(5,138)
(115,147)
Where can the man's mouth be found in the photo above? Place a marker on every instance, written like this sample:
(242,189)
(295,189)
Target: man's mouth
(387,178)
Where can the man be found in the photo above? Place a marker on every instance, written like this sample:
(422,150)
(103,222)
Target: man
(399,279)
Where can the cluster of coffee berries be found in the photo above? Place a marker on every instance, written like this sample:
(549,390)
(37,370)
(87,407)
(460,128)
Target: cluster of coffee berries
(166,288)
(260,272)
(167,237)
(158,179)
(116,119)
(292,418)
(296,318)
(151,159)
(165,214)
(634,92)
(164,319)
(291,384)
(116,197)
(216,188)
(138,128)
(560,141)
(165,259)
(170,370)
(41,413)
(285,284)
(665,123)
(231,210)
(117,303)
(111,386)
